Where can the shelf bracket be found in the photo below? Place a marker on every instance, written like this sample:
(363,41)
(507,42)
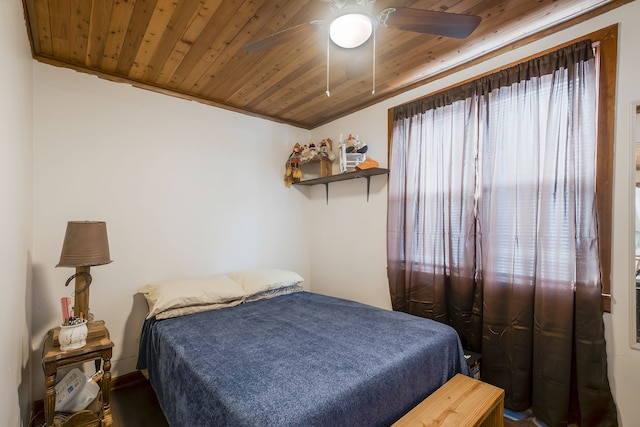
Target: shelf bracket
(368,186)
(326,189)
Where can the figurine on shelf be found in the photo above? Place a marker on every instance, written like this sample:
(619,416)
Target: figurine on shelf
(302,154)
(354,145)
(312,151)
(325,151)
(293,172)
(352,152)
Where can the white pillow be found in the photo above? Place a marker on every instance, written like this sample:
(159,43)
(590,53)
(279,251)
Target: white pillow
(264,279)
(192,292)
(192,309)
(274,293)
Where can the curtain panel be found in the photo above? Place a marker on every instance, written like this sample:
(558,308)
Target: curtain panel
(492,228)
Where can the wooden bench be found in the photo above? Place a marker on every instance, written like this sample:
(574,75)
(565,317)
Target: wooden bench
(461,402)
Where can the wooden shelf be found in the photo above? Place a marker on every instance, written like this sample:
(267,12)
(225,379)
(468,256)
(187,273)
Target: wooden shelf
(366,173)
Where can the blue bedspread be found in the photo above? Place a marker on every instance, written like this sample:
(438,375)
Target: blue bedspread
(296,360)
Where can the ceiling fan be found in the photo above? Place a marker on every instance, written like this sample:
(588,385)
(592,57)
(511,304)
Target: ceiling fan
(352,22)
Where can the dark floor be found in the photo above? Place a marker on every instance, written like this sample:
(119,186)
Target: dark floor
(136,406)
(529,422)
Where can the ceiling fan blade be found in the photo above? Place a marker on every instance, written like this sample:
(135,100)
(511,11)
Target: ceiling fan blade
(431,22)
(284,36)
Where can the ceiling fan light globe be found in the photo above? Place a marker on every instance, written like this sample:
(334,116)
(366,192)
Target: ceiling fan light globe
(350,30)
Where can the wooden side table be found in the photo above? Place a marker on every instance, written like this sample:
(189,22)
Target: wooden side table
(98,348)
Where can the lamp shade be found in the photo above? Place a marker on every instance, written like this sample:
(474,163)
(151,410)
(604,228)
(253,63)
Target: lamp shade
(85,244)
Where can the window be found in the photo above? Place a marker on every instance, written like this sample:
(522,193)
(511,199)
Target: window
(605,41)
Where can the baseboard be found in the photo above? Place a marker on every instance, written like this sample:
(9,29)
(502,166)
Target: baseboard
(127,380)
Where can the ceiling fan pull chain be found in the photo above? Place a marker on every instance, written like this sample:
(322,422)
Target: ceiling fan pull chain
(373,89)
(328,49)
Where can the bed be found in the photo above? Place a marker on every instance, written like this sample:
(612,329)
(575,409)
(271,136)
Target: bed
(294,358)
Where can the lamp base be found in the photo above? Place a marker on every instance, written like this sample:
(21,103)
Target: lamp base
(81,293)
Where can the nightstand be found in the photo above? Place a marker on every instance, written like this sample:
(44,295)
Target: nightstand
(98,348)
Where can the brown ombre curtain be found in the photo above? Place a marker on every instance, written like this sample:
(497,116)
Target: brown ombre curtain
(492,228)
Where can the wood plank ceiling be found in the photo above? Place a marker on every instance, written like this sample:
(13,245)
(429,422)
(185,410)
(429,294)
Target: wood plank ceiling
(193,49)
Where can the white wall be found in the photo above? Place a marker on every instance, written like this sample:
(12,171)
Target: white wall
(352,258)
(15,216)
(349,244)
(186,190)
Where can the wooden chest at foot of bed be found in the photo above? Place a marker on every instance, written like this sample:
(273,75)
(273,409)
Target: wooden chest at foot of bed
(461,402)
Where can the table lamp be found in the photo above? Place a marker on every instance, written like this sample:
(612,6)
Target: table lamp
(85,245)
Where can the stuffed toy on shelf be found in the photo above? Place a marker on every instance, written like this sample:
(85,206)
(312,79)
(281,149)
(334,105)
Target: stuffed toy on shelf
(302,154)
